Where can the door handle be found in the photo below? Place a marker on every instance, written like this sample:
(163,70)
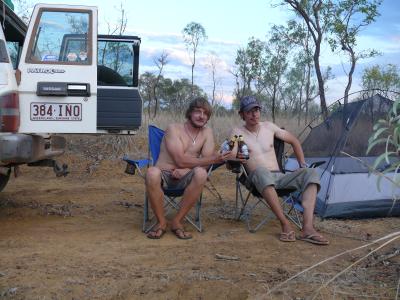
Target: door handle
(63,89)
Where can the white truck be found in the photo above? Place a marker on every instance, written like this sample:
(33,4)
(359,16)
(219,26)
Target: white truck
(58,76)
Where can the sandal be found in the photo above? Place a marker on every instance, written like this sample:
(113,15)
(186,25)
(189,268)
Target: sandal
(181,234)
(156,234)
(287,236)
(316,239)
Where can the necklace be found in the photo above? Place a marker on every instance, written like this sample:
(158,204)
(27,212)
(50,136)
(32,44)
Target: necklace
(254,133)
(187,132)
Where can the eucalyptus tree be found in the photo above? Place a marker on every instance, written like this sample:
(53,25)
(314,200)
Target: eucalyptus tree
(213,64)
(383,78)
(146,83)
(250,62)
(315,14)
(349,17)
(176,94)
(193,34)
(275,66)
(160,63)
(23,8)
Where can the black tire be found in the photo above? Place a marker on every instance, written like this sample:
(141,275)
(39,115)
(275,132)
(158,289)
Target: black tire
(3,181)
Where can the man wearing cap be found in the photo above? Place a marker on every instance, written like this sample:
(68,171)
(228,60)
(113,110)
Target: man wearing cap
(265,175)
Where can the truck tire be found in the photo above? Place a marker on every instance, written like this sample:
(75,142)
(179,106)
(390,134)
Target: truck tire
(3,181)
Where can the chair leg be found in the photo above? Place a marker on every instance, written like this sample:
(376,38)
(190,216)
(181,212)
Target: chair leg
(148,223)
(198,213)
(194,220)
(291,212)
(249,216)
(145,214)
(239,212)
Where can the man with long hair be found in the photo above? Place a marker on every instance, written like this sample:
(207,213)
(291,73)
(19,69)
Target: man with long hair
(186,151)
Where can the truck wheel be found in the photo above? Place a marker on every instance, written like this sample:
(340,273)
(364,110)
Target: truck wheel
(3,181)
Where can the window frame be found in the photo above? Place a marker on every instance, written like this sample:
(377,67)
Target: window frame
(29,57)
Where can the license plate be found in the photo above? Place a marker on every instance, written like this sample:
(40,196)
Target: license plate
(56,111)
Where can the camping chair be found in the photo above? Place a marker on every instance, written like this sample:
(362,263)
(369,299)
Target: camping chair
(171,195)
(290,198)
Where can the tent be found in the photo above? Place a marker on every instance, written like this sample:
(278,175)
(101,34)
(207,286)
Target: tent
(348,190)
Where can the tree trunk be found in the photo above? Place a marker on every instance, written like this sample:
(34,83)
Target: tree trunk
(192,77)
(320,79)
(350,76)
(273,103)
(308,92)
(213,89)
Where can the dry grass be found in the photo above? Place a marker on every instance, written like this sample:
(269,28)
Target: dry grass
(98,147)
(221,125)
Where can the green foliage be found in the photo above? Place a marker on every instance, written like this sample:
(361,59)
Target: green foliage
(387,132)
(173,95)
(348,18)
(386,78)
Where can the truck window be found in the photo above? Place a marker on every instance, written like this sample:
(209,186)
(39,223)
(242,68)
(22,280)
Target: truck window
(14,49)
(61,37)
(115,63)
(3,52)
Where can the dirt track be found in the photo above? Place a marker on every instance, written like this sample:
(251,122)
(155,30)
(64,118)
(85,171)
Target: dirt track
(79,237)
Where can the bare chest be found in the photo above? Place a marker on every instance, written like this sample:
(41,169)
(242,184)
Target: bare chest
(261,143)
(192,146)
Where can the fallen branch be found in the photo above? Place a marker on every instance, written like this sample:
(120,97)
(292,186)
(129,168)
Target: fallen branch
(385,257)
(394,234)
(352,265)
(226,257)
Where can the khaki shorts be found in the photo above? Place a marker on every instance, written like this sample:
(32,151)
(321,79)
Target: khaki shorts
(167,181)
(298,180)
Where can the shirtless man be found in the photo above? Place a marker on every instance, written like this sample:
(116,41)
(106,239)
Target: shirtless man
(186,150)
(264,173)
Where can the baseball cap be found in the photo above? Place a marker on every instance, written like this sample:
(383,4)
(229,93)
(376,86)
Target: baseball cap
(248,102)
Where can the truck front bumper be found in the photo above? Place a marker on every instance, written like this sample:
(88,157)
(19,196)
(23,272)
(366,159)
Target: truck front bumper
(27,148)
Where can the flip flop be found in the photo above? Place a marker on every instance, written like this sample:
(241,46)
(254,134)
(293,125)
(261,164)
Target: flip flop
(314,239)
(287,236)
(155,234)
(181,234)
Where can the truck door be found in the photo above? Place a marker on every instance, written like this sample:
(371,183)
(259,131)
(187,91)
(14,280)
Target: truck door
(58,71)
(119,106)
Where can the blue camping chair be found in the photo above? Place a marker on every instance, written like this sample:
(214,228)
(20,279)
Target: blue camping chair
(171,195)
(248,204)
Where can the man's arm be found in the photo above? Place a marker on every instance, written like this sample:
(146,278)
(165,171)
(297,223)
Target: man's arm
(175,148)
(289,138)
(208,148)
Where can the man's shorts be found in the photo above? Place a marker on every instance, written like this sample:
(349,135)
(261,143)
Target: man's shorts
(297,180)
(172,183)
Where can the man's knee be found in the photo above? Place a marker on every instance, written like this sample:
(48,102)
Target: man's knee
(311,177)
(199,175)
(153,176)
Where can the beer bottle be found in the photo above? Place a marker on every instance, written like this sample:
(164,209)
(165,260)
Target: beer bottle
(225,146)
(243,149)
(231,143)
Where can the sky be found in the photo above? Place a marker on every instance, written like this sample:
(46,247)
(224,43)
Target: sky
(229,25)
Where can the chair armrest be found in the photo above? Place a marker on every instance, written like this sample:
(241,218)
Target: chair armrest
(133,164)
(140,163)
(316,164)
